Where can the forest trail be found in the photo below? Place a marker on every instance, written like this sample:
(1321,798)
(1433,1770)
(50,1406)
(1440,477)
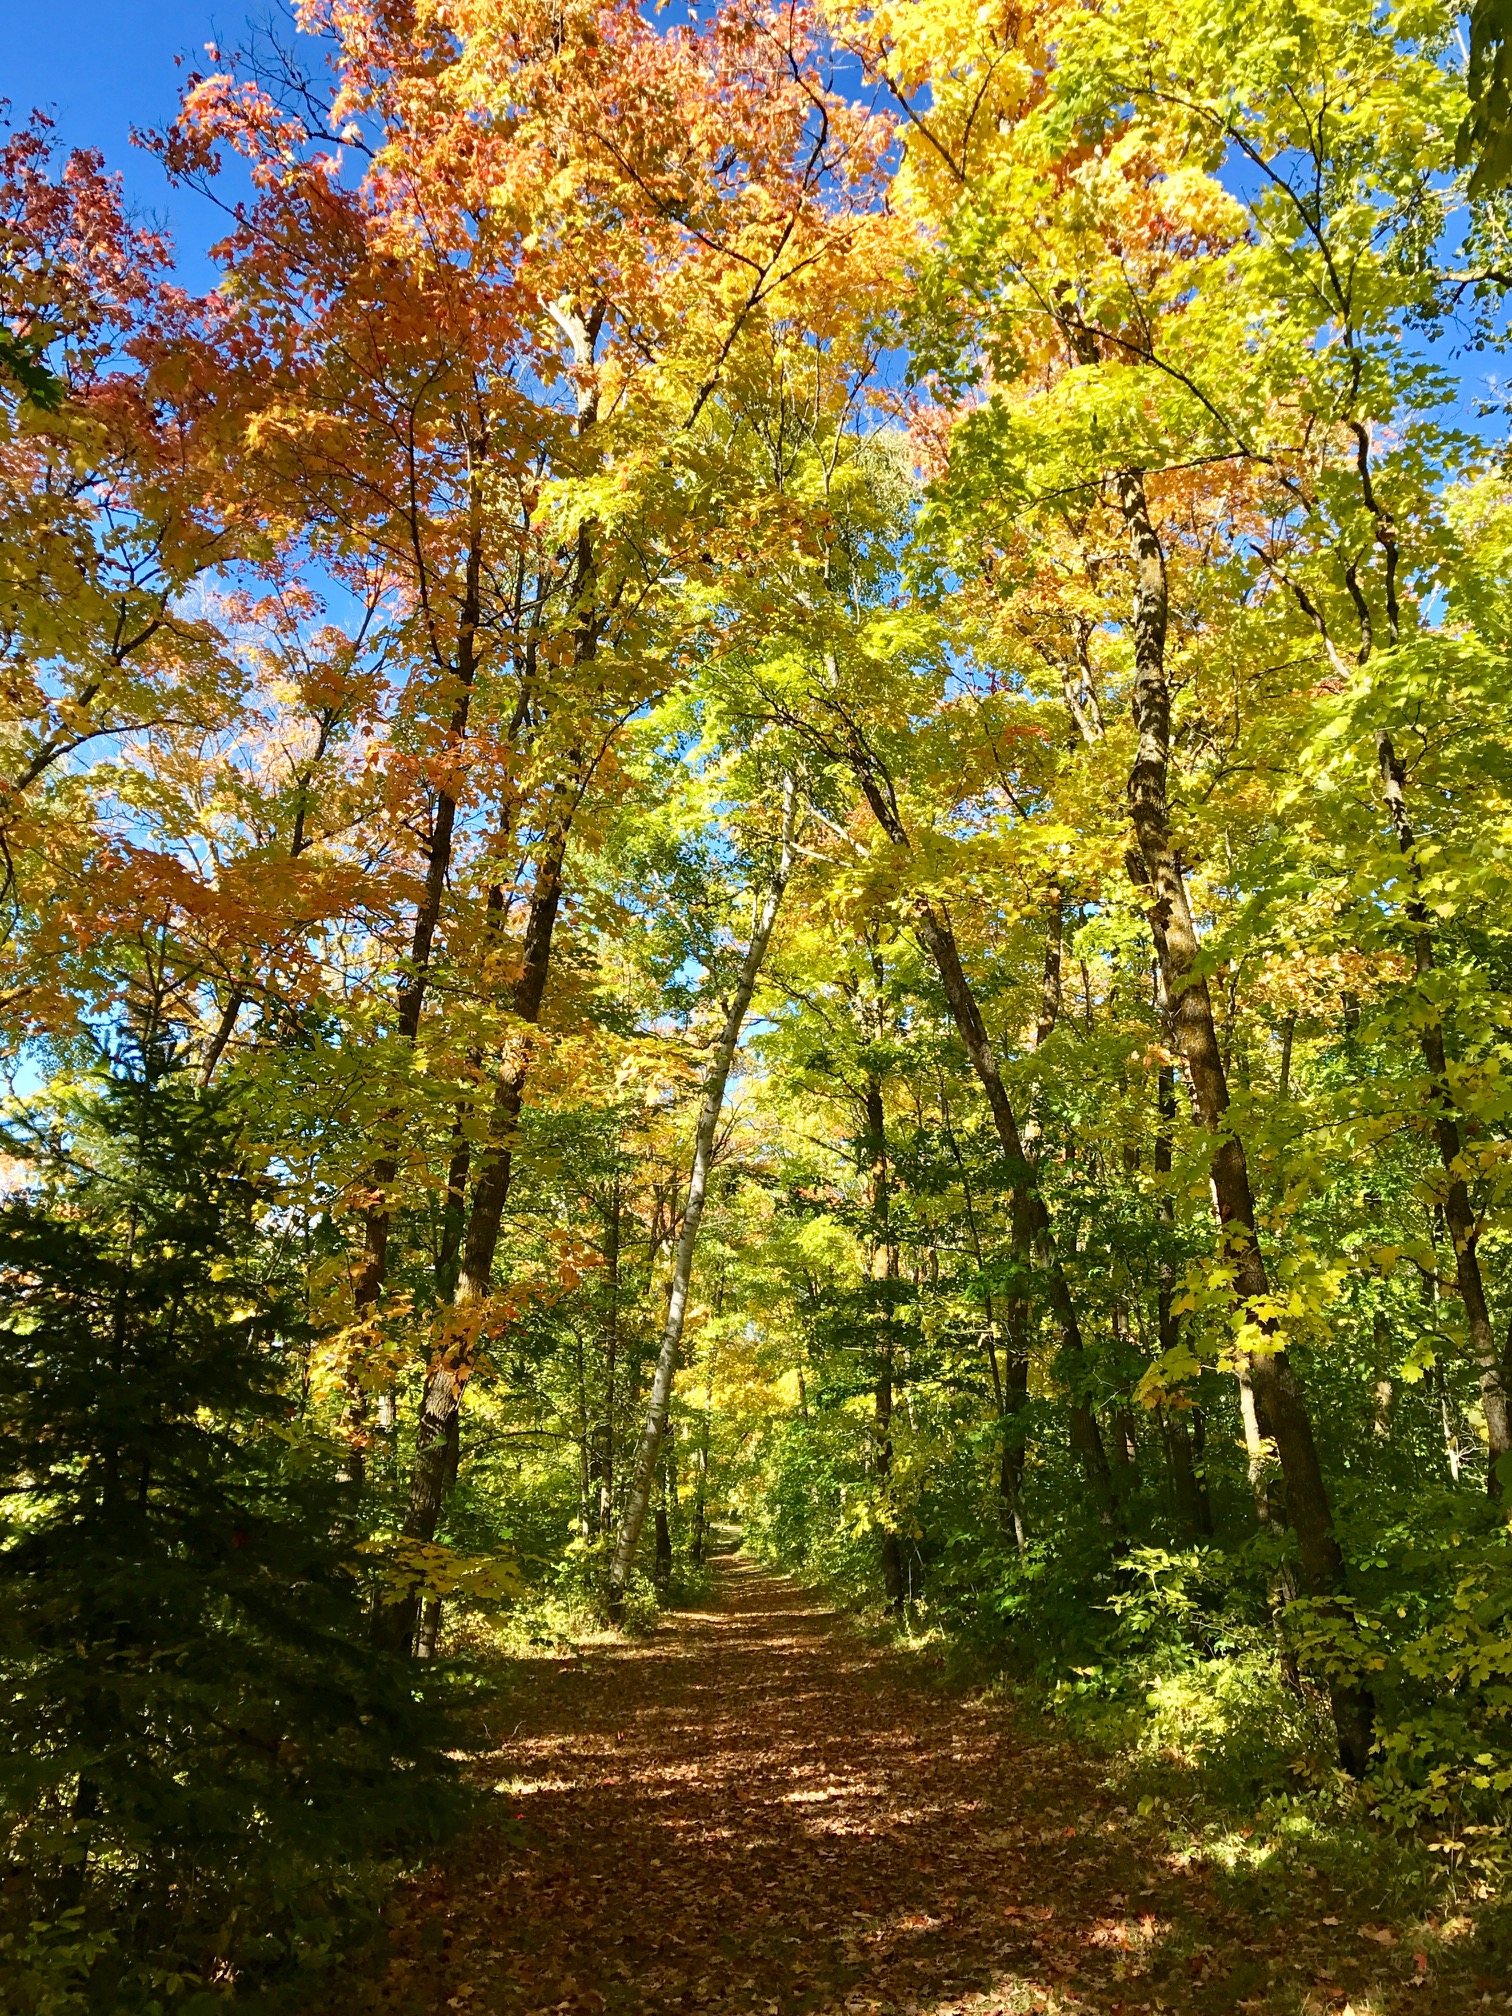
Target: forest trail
(753,1810)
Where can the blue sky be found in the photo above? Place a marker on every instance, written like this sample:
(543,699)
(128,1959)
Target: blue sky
(100,67)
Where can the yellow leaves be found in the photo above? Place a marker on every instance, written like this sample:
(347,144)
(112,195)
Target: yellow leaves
(1304,1287)
(1385,1259)
(407,1567)
(1169,1372)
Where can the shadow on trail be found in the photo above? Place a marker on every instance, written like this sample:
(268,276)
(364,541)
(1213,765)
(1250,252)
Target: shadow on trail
(753,1811)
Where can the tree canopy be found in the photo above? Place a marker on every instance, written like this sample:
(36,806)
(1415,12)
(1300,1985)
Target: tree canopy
(768,777)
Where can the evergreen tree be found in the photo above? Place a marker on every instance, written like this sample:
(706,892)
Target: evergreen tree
(192,1721)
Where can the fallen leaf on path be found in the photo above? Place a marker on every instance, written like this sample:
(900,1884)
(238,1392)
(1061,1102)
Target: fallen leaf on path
(925,1867)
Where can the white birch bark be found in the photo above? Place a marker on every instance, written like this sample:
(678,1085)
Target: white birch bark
(643,1471)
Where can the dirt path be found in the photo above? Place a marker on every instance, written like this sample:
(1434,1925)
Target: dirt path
(752,1811)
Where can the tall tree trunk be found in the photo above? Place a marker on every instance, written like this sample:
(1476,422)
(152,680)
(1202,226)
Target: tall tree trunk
(699,1524)
(459,1168)
(1191,1492)
(1029,1218)
(491,1188)
(588,1447)
(643,1470)
(394,1623)
(882,1460)
(1010,1385)
(698,1541)
(454,1208)
(611,1361)
(1050,979)
(378,1218)
(884,1271)
(1494,1368)
(1010,1381)
(1279,1408)
(662,1575)
(1014,1402)
(1187,1489)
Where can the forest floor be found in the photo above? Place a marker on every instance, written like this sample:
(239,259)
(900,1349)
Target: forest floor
(755,1810)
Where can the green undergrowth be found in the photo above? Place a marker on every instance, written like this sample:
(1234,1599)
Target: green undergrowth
(565,1615)
(1235,1772)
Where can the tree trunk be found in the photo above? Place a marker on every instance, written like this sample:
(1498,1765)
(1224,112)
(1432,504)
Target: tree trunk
(394,1623)
(378,1218)
(1010,1383)
(1279,1410)
(611,1361)
(1015,1399)
(1029,1219)
(882,1456)
(1190,1487)
(1188,1490)
(491,1189)
(698,1539)
(643,1470)
(1495,1370)
(1050,979)
(454,1210)
(1288,1034)
(663,1569)
(428,1637)
(883,1270)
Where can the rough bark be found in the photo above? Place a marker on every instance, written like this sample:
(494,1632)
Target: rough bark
(1181,1438)
(1277,1411)
(643,1470)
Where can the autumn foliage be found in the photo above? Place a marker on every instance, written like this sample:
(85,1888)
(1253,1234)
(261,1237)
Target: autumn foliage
(770,773)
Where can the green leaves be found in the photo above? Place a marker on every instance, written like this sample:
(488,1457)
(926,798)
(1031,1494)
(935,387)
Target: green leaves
(1484,140)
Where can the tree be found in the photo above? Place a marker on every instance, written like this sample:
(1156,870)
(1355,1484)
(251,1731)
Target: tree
(190,1710)
(644,1467)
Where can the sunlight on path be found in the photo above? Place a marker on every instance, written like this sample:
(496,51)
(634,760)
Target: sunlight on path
(753,1811)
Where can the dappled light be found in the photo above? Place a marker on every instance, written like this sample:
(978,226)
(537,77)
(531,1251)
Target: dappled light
(753,1810)
(756,1013)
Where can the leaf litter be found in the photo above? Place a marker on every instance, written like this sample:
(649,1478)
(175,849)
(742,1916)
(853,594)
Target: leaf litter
(753,1811)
